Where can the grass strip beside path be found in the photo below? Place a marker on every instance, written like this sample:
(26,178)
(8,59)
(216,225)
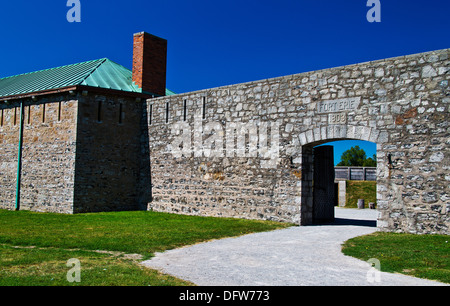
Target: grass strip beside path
(366,190)
(423,256)
(139,232)
(34,266)
(35,247)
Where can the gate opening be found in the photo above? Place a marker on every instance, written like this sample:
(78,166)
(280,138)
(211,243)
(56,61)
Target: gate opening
(324,195)
(336,181)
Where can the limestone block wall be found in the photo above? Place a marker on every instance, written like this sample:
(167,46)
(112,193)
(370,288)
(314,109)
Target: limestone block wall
(246,150)
(81,153)
(48,158)
(109,163)
(223,184)
(9,135)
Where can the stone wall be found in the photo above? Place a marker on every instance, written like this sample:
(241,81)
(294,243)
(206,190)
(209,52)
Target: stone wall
(81,153)
(48,158)
(246,150)
(109,162)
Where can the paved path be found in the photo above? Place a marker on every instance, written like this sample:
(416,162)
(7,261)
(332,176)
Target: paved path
(297,256)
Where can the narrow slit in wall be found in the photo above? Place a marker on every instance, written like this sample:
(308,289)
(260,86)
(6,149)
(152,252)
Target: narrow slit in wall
(120,113)
(184,110)
(59,111)
(29,115)
(43,113)
(99,111)
(204,107)
(167,112)
(150,114)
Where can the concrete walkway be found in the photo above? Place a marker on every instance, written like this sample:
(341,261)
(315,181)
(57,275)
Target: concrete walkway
(297,256)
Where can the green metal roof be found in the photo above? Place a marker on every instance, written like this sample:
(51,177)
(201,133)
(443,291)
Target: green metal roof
(101,73)
(170,92)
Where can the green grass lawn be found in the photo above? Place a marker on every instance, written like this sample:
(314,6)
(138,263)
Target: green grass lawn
(47,267)
(424,256)
(35,247)
(366,190)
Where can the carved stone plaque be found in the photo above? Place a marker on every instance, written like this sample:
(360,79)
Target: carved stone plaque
(339,105)
(337,118)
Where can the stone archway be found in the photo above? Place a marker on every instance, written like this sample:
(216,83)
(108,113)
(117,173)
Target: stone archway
(314,137)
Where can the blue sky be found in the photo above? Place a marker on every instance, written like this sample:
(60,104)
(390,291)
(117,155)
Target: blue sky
(216,43)
(340,147)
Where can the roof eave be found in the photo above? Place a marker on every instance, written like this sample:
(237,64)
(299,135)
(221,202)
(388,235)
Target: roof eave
(38,93)
(122,93)
(76,88)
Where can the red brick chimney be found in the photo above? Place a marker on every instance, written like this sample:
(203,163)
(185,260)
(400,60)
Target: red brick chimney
(149,63)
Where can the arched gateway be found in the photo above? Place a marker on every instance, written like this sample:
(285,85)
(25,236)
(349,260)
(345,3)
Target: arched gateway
(313,165)
(246,150)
